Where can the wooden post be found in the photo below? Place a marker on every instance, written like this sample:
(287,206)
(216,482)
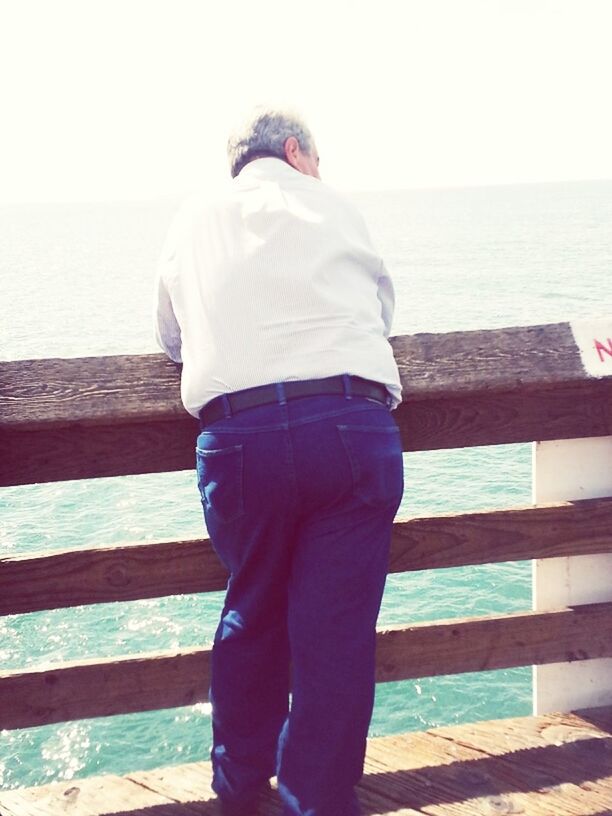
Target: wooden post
(567,470)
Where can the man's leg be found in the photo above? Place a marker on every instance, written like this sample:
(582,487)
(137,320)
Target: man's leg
(247,506)
(337,579)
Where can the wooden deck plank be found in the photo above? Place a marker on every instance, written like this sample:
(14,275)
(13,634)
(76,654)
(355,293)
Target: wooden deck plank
(502,736)
(190,784)
(553,765)
(429,772)
(83,797)
(177,782)
(450,772)
(468,787)
(398,769)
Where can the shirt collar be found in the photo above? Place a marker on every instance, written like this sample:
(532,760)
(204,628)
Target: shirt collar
(267,167)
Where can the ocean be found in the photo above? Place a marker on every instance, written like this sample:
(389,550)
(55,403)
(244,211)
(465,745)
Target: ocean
(76,280)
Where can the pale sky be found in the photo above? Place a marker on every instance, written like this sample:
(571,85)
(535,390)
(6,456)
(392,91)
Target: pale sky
(133,99)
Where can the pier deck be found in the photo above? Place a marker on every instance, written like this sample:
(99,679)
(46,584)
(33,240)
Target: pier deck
(551,765)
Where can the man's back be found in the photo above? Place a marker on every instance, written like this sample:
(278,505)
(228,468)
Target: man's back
(276,280)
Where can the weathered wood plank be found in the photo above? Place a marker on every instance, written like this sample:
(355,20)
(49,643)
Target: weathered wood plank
(133,571)
(568,756)
(495,642)
(109,794)
(81,452)
(517,534)
(102,574)
(107,416)
(492,360)
(503,766)
(443,772)
(62,692)
(87,452)
(568,412)
(143,682)
(88,391)
(121,388)
(503,737)
(189,782)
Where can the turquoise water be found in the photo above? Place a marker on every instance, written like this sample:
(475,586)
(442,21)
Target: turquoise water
(76,280)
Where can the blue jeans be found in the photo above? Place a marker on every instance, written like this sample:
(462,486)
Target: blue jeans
(299,499)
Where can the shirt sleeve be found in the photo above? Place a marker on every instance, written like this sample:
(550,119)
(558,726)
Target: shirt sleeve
(385,289)
(386,295)
(167,329)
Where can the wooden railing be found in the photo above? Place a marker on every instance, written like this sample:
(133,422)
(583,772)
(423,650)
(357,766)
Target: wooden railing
(83,418)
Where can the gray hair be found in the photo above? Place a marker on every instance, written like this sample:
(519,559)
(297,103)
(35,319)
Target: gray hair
(264,133)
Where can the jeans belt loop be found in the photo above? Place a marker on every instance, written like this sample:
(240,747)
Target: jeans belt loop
(280,393)
(227,406)
(348,391)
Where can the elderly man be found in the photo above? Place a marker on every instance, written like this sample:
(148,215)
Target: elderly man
(279,308)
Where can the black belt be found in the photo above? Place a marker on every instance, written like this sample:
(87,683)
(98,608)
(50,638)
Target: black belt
(236,401)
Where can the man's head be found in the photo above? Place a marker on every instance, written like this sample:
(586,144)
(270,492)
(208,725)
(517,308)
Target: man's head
(277,133)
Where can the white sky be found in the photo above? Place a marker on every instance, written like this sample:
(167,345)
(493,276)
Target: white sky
(132,99)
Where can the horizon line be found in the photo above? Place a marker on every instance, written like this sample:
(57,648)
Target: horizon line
(180,195)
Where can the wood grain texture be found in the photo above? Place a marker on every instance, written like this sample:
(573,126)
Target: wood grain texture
(492,360)
(495,642)
(62,692)
(104,574)
(460,539)
(551,765)
(108,416)
(88,452)
(123,388)
(108,794)
(143,682)
(567,412)
(133,571)
(58,453)
(86,391)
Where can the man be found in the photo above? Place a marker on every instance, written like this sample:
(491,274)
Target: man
(279,308)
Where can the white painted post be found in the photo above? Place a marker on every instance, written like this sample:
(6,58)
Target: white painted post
(567,470)
(564,471)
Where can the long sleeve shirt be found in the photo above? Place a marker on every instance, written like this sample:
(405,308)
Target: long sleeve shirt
(276,279)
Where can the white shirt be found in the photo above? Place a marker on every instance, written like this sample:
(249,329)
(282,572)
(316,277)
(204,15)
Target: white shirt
(274,280)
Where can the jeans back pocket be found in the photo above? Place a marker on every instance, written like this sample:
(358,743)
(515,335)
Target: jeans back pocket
(375,456)
(220,481)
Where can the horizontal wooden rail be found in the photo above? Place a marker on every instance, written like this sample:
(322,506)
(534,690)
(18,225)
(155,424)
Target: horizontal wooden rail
(495,642)
(143,682)
(130,572)
(110,416)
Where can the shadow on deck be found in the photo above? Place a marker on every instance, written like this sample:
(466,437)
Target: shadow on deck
(552,765)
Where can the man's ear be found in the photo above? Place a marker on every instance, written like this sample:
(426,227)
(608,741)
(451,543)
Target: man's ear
(292,151)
